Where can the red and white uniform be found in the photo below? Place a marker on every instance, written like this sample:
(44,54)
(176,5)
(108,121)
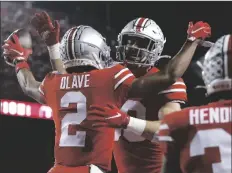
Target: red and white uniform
(69,96)
(198,139)
(134,154)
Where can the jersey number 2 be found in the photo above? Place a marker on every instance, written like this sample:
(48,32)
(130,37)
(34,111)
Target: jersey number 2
(213,138)
(73,119)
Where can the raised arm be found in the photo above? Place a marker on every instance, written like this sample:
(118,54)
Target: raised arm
(17,56)
(50,34)
(28,83)
(176,66)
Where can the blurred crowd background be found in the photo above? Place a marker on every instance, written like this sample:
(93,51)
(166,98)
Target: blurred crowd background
(26,144)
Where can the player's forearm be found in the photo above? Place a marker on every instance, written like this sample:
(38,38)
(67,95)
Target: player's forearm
(156,82)
(29,85)
(144,128)
(180,62)
(150,130)
(56,62)
(57,65)
(168,108)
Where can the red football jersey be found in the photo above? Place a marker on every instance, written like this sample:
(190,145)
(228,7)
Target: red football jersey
(198,139)
(69,96)
(134,154)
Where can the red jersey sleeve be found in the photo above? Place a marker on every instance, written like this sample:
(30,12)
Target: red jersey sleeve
(122,81)
(175,93)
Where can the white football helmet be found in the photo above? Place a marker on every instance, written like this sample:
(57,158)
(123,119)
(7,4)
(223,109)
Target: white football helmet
(84,46)
(217,66)
(149,39)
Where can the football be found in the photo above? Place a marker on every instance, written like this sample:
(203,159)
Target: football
(24,39)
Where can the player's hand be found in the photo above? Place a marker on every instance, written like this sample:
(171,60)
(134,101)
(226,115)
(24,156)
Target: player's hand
(107,116)
(14,51)
(199,30)
(43,24)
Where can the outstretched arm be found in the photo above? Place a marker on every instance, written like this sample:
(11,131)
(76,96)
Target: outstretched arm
(176,66)
(28,83)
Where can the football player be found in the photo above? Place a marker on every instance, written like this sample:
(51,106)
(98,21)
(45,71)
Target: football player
(83,51)
(196,139)
(141,43)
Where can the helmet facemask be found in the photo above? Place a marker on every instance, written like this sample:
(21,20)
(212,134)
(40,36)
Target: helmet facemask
(138,49)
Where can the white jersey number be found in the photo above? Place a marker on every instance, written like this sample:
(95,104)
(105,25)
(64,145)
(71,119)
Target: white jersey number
(213,138)
(140,112)
(78,138)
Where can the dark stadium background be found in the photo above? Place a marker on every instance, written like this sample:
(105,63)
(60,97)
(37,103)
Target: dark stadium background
(26,145)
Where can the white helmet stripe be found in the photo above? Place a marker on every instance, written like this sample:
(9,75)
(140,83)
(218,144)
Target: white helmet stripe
(229,54)
(73,42)
(67,47)
(144,23)
(225,52)
(136,23)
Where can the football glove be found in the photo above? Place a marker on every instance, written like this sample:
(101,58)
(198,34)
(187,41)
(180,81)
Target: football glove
(43,25)
(199,30)
(14,52)
(108,116)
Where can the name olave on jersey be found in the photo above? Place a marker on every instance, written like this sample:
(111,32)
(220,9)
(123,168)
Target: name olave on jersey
(210,115)
(75,81)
